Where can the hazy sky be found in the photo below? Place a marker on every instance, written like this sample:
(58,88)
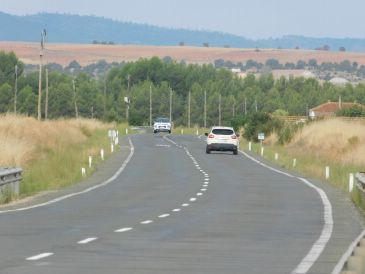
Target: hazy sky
(249,18)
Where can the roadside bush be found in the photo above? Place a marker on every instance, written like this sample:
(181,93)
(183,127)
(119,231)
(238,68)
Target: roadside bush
(354,111)
(260,123)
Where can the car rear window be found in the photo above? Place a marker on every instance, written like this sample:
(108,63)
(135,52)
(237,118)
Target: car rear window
(162,120)
(220,131)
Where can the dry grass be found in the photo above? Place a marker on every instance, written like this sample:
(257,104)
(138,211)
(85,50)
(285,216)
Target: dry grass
(25,139)
(336,140)
(87,54)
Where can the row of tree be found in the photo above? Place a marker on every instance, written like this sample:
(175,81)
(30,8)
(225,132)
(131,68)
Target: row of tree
(103,98)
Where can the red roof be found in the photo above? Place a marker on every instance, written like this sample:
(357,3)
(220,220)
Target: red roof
(332,107)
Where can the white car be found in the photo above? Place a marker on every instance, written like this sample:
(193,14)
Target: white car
(162,124)
(222,139)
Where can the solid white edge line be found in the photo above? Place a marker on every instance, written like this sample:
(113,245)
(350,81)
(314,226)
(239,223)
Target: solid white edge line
(318,247)
(347,254)
(111,179)
(39,256)
(124,229)
(87,240)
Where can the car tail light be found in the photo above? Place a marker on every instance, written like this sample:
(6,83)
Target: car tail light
(234,137)
(211,136)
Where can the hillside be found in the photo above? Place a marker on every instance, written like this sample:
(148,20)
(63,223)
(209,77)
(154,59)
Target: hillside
(66,28)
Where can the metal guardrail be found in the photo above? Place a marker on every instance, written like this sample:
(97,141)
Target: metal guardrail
(9,180)
(354,258)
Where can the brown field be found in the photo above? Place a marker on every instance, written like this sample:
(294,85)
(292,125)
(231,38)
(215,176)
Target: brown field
(87,54)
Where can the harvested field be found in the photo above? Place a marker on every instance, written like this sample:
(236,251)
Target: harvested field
(86,54)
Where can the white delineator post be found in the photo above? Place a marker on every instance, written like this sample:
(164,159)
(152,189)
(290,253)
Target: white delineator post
(197,132)
(116,141)
(294,162)
(249,146)
(262,151)
(112,147)
(276,156)
(351,182)
(182,131)
(90,161)
(83,172)
(102,154)
(327,172)
(126,131)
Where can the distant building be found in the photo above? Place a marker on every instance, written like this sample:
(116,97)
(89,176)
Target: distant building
(287,73)
(338,81)
(236,70)
(330,108)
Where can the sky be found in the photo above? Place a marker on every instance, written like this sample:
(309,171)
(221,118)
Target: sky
(254,19)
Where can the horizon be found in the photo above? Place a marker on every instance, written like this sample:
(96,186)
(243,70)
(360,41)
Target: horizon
(267,19)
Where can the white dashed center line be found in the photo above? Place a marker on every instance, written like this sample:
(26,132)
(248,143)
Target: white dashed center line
(124,229)
(87,240)
(203,189)
(164,215)
(199,194)
(39,256)
(185,205)
(176,210)
(146,222)
(192,199)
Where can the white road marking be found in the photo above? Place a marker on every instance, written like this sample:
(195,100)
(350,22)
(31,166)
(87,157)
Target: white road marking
(87,240)
(159,145)
(318,247)
(192,199)
(206,179)
(124,229)
(39,256)
(199,194)
(185,205)
(164,215)
(111,179)
(146,222)
(176,210)
(203,189)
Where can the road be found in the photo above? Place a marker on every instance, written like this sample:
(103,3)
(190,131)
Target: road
(174,209)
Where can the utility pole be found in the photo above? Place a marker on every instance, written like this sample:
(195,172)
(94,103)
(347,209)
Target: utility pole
(170,105)
(189,109)
(75,101)
(256,105)
(128,98)
(233,110)
(205,109)
(46,103)
(150,106)
(92,112)
(104,103)
(245,106)
(15,87)
(220,109)
(43,37)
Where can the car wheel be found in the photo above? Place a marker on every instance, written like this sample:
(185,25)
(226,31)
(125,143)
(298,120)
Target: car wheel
(207,150)
(169,131)
(155,131)
(235,152)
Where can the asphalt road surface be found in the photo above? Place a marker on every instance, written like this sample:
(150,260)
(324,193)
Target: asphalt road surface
(171,208)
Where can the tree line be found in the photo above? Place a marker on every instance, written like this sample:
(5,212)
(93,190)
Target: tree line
(103,97)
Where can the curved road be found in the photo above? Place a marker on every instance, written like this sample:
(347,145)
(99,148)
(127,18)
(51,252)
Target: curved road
(174,209)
